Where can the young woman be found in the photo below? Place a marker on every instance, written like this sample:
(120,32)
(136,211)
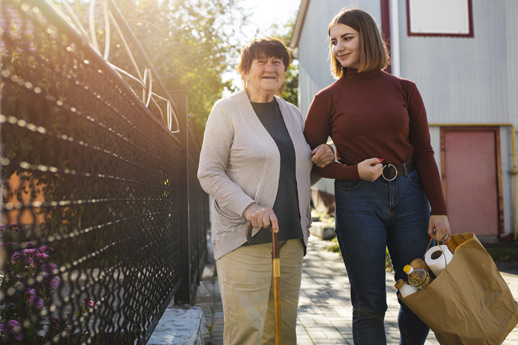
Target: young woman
(386,178)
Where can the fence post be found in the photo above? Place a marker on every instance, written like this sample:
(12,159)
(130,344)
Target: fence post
(184,294)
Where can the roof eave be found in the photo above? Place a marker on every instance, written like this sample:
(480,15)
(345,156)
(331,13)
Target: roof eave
(299,23)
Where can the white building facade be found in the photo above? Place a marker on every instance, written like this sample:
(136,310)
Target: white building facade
(463,56)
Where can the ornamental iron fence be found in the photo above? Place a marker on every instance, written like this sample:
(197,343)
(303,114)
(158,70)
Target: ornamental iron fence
(103,222)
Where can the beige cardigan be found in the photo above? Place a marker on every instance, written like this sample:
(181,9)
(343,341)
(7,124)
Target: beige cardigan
(240,164)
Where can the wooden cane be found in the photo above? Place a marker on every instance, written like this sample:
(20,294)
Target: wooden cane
(277,288)
(276,265)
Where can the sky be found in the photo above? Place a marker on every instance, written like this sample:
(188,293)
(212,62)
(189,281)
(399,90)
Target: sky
(264,14)
(268,12)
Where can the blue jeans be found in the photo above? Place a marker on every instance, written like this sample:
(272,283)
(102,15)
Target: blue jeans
(371,216)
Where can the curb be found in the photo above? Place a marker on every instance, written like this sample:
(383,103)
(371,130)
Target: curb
(180,326)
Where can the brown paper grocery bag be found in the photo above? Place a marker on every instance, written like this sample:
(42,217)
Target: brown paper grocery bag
(469,303)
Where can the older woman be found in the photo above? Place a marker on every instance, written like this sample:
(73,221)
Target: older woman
(256,164)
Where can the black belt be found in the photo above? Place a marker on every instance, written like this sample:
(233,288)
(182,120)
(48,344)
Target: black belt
(391,172)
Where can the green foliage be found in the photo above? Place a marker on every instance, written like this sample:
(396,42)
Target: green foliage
(291,92)
(189,42)
(334,247)
(27,276)
(291,83)
(193,45)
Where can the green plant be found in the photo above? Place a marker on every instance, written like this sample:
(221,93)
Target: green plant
(388,263)
(334,247)
(28,278)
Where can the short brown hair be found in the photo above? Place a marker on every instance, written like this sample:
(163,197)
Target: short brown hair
(373,50)
(263,47)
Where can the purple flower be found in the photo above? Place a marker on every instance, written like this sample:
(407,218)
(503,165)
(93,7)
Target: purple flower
(36,301)
(16,227)
(13,227)
(15,257)
(43,249)
(49,267)
(30,259)
(29,251)
(42,256)
(54,282)
(13,326)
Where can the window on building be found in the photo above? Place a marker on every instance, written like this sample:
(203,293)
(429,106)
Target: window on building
(439,18)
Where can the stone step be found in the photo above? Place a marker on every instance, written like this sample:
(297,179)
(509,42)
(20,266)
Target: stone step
(179,326)
(322,230)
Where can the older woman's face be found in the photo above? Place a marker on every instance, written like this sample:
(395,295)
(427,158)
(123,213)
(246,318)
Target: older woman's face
(265,78)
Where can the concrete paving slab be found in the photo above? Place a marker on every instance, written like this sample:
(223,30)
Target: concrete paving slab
(325,311)
(180,326)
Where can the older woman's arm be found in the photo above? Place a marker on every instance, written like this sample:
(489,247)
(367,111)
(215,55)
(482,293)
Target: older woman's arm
(215,151)
(323,155)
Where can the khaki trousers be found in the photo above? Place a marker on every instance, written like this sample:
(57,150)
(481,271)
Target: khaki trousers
(245,283)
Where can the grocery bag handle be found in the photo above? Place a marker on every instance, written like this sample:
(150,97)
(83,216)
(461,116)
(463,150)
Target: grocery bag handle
(440,247)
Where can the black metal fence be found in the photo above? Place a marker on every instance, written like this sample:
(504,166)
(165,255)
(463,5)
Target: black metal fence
(102,219)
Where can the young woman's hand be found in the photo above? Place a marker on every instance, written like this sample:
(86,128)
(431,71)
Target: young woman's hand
(370,169)
(323,155)
(439,228)
(260,216)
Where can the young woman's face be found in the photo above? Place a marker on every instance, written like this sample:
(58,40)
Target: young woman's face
(345,42)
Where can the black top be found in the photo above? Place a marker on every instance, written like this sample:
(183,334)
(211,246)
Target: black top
(286,206)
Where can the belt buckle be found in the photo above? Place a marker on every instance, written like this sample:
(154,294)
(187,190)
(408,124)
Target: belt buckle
(383,172)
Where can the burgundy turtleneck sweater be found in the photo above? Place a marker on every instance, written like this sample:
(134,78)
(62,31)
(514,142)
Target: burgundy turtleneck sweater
(374,115)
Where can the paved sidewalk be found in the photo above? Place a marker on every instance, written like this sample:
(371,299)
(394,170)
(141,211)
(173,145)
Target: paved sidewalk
(325,312)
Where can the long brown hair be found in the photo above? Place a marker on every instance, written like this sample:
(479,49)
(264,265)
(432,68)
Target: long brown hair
(373,50)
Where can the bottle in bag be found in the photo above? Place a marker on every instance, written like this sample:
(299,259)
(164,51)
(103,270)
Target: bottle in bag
(404,288)
(417,277)
(420,263)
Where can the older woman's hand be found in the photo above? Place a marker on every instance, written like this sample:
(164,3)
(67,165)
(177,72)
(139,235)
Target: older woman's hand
(260,216)
(323,155)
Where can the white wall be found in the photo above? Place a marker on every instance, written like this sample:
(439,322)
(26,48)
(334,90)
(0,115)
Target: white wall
(313,53)
(313,49)
(462,80)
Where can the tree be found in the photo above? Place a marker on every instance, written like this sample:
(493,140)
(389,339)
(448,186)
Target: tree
(189,42)
(291,83)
